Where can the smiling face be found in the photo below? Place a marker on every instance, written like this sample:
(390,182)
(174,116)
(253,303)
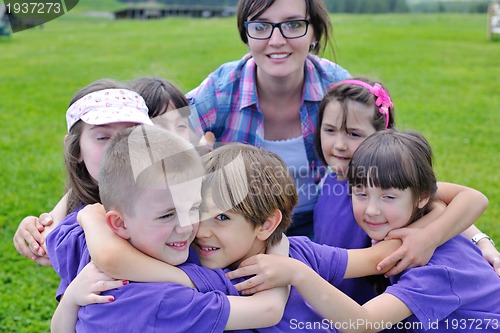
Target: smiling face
(339,141)
(278,57)
(93,142)
(379,211)
(165,222)
(225,239)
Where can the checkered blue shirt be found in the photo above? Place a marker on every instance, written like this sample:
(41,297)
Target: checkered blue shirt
(226,102)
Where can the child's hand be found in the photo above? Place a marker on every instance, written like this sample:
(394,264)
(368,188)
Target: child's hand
(93,212)
(418,244)
(491,254)
(496,264)
(88,285)
(206,143)
(269,271)
(416,250)
(208,139)
(29,241)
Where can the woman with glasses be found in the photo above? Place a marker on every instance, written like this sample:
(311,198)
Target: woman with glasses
(270,98)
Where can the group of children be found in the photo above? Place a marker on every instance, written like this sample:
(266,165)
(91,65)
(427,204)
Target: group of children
(194,223)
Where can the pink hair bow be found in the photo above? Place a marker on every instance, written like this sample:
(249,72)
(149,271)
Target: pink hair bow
(383,100)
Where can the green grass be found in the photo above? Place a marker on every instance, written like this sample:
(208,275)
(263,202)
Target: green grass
(441,70)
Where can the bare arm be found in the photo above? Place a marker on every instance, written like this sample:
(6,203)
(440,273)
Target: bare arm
(57,214)
(487,248)
(334,305)
(266,271)
(364,262)
(257,311)
(65,317)
(116,257)
(464,206)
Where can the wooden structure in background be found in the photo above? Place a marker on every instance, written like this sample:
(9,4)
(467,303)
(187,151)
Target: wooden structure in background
(493,19)
(146,11)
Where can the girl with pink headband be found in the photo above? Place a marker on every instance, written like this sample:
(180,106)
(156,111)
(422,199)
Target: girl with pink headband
(350,112)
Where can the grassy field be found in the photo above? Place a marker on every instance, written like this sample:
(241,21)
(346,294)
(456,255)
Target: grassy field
(441,70)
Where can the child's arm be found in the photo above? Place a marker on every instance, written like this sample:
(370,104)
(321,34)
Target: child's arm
(360,262)
(330,302)
(365,262)
(465,205)
(486,246)
(29,239)
(262,309)
(334,305)
(56,215)
(116,257)
(85,289)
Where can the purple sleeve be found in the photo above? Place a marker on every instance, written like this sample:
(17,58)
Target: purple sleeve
(67,250)
(156,307)
(187,310)
(421,286)
(207,280)
(328,261)
(456,284)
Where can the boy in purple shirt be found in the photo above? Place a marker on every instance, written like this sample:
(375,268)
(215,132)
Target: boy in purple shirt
(150,184)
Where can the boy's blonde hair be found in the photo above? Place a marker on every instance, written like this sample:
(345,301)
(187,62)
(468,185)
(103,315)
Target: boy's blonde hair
(254,188)
(141,158)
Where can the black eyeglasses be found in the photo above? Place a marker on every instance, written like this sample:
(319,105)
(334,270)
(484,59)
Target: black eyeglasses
(289,29)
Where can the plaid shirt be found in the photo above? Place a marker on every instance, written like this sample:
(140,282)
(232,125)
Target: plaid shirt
(226,102)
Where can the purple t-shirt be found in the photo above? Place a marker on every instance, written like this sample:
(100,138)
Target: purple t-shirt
(329,262)
(334,225)
(157,307)
(67,250)
(457,291)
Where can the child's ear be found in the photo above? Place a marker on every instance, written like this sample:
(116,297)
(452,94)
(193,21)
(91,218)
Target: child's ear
(115,221)
(271,223)
(423,201)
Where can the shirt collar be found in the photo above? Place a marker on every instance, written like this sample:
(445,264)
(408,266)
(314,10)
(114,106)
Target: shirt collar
(248,90)
(313,89)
